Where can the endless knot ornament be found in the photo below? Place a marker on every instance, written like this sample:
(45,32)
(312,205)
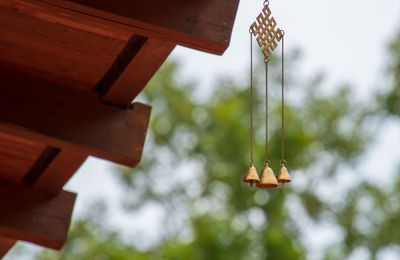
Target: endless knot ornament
(264,28)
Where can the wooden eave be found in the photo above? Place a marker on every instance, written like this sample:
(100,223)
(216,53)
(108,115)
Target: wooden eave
(69,72)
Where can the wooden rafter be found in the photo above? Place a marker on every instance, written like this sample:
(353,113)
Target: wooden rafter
(58,45)
(34,216)
(204,25)
(133,68)
(58,171)
(78,43)
(56,53)
(70,119)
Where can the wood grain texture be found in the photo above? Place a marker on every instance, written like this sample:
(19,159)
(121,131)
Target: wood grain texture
(17,155)
(137,73)
(34,216)
(133,46)
(75,43)
(59,171)
(50,181)
(44,160)
(70,119)
(205,25)
(56,44)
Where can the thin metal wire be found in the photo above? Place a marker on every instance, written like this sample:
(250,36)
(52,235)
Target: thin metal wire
(266,111)
(251,98)
(283,97)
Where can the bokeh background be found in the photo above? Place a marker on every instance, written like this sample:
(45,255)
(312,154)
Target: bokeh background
(186,199)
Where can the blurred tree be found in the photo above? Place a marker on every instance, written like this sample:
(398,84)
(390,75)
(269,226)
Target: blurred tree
(197,152)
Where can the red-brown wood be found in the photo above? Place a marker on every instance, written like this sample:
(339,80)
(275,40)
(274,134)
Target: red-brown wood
(137,74)
(70,119)
(74,44)
(59,171)
(48,130)
(50,181)
(34,216)
(56,44)
(5,245)
(17,155)
(205,25)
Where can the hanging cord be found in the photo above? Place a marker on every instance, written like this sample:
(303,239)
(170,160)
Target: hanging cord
(251,98)
(266,112)
(283,98)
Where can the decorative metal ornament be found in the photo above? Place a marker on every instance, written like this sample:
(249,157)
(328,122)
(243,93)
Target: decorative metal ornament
(264,29)
(267,178)
(251,175)
(283,174)
(268,36)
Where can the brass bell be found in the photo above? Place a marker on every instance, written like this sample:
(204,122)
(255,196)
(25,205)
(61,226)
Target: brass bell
(283,175)
(267,178)
(251,175)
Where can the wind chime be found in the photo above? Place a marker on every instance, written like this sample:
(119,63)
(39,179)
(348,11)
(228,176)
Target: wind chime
(268,37)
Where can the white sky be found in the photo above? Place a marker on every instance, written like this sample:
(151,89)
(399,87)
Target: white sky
(347,39)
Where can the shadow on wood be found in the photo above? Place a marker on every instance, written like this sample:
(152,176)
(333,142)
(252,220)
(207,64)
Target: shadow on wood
(70,119)
(34,216)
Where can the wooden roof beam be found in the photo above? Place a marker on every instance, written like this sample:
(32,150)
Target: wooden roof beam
(58,171)
(204,25)
(33,216)
(70,119)
(47,176)
(133,69)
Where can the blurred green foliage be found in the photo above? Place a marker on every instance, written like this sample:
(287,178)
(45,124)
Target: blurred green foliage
(197,152)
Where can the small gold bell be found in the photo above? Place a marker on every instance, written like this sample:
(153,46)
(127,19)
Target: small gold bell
(251,175)
(267,178)
(283,174)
